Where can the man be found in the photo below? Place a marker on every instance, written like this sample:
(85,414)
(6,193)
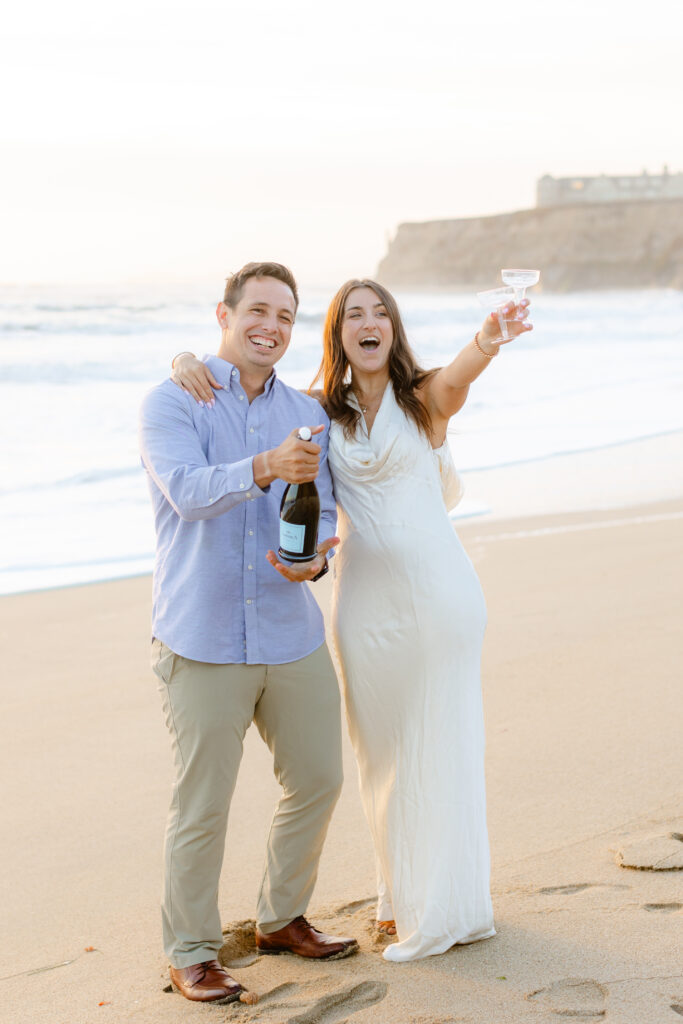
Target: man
(234,641)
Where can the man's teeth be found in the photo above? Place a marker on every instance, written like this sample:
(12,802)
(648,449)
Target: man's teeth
(263,342)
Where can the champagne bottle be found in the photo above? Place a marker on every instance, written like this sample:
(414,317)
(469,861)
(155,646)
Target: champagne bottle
(299,517)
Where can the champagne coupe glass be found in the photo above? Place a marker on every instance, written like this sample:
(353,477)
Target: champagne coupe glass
(520,281)
(496,299)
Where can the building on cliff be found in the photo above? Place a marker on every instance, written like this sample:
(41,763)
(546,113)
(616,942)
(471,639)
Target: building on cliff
(608,188)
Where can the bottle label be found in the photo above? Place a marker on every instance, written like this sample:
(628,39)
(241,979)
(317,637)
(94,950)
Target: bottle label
(292,537)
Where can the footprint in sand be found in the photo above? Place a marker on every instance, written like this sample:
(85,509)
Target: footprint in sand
(425,1019)
(284,991)
(653,853)
(677,1008)
(580,998)
(338,1007)
(351,908)
(565,890)
(663,908)
(288,997)
(569,890)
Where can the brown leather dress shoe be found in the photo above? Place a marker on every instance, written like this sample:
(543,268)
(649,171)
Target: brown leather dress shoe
(207,982)
(302,938)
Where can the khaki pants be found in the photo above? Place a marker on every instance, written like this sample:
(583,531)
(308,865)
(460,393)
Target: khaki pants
(208,710)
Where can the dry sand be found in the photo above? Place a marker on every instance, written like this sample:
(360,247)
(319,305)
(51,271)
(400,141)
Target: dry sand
(582,683)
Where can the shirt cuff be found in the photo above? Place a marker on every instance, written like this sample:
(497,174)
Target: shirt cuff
(236,482)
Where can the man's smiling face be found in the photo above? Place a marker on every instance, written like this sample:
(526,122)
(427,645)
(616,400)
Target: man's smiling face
(257,331)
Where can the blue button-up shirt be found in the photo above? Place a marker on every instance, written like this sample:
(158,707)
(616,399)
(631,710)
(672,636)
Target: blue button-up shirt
(216,598)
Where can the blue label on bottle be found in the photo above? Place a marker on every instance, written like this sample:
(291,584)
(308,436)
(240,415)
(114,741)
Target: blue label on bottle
(292,537)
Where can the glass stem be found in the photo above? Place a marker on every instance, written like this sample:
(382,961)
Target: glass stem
(503,327)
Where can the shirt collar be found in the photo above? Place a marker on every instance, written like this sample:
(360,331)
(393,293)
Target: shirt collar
(225,373)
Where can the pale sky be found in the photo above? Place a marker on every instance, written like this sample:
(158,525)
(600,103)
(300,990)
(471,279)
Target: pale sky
(143,140)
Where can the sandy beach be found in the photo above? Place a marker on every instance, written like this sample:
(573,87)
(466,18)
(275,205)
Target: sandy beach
(582,683)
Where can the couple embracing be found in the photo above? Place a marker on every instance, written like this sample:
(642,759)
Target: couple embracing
(238,638)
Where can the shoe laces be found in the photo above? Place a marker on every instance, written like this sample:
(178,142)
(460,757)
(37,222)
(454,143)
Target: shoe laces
(301,920)
(206,966)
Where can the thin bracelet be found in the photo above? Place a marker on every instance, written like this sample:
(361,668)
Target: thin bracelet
(178,357)
(476,342)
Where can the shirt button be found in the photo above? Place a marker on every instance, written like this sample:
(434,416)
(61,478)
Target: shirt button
(251,533)
(251,430)
(250,567)
(241,398)
(241,487)
(234,373)
(248,600)
(249,494)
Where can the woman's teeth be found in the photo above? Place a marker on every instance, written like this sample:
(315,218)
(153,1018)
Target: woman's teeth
(369,343)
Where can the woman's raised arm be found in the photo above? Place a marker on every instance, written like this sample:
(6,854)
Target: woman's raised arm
(446,390)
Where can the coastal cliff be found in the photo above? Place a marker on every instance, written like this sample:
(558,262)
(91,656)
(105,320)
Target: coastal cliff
(592,246)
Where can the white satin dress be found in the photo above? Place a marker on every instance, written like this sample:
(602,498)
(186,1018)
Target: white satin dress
(408,623)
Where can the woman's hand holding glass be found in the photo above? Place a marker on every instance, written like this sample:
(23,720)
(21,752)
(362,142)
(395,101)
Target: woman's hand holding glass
(503,325)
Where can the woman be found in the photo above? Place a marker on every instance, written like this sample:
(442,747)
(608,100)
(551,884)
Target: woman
(408,617)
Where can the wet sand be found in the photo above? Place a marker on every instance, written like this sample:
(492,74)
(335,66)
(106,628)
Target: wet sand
(582,684)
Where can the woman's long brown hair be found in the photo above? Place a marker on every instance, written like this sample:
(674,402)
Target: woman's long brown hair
(404,373)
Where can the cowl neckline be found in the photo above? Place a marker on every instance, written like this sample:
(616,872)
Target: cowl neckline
(368,456)
(352,400)
(372,458)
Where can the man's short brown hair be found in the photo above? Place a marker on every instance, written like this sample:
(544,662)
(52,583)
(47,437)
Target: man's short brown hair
(234,284)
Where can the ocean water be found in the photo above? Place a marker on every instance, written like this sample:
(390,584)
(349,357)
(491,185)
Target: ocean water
(598,370)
